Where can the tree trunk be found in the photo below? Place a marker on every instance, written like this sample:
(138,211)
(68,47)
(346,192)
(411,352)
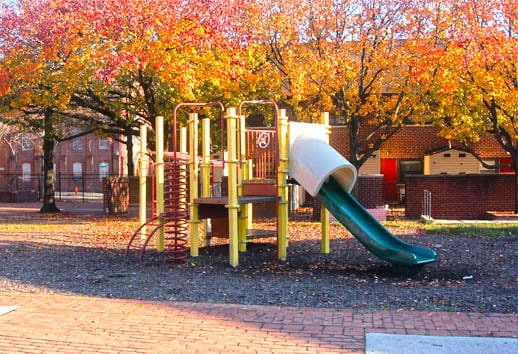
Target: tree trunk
(515,165)
(49,201)
(129,148)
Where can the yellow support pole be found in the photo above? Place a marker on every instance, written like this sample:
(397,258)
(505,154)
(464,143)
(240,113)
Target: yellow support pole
(143,172)
(233,206)
(282,187)
(243,209)
(159,171)
(240,153)
(324,213)
(183,167)
(183,140)
(205,152)
(243,226)
(205,170)
(249,209)
(193,183)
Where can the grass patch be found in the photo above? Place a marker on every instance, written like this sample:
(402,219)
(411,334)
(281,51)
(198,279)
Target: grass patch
(399,224)
(490,230)
(35,227)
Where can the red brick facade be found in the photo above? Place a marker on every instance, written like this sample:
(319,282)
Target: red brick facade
(93,157)
(460,196)
(19,162)
(92,153)
(370,191)
(413,142)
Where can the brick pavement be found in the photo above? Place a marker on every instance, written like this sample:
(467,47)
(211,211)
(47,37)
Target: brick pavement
(74,324)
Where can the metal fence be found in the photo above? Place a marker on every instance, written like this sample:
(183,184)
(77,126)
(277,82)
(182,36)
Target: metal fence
(67,186)
(427,204)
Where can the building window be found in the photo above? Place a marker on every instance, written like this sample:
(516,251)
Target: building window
(77,169)
(408,121)
(77,144)
(447,155)
(104,144)
(462,155)
(26,172)
(506,165)
(103,170)
(26,144)
(409,167)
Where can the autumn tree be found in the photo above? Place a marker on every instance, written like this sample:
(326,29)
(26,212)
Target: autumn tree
(44,59)
(354,58)
(156,54)
(109,65)
(474,74)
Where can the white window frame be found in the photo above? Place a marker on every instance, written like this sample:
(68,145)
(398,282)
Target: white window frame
(104,170)
(26,144)
(26,172)
(77,170)
(104,144)
(77,144)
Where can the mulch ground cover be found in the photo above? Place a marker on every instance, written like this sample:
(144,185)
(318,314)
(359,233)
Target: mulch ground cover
(85,256)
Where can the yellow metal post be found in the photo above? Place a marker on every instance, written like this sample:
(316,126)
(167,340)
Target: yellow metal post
(282,187)
(183,140)
(233,206)
(143,171)
(183,167)
(205,171)
(249,209)
(159,171)
(243,209)
(193,182)
(240,153)
(205,152)
(324,213)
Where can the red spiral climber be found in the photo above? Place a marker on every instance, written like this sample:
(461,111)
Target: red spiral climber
(176,210)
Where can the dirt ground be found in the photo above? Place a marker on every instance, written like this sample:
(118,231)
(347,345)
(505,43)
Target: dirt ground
(84,255)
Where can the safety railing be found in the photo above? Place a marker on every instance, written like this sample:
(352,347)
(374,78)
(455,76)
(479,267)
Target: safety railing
(262,149)
(427,204)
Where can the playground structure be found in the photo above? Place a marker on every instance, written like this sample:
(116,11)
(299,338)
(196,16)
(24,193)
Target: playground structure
(301,152)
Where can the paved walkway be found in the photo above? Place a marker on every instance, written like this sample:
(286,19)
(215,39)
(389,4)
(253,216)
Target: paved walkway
(77,208)
(46,323)
(74,324)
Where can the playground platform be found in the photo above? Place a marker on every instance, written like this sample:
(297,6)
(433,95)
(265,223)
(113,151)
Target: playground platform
(45,323)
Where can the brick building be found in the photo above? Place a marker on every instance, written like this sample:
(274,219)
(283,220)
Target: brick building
(90,156)
(419,150)
(20,160)
(79,165)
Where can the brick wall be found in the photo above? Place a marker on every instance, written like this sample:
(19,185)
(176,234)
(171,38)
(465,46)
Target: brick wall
(412,142)
(460,196)
(339,139)
(370,191)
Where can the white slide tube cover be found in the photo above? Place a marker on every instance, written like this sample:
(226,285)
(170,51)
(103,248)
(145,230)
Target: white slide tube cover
(312,160)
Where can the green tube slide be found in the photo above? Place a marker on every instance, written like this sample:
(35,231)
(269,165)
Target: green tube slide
(374,236)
